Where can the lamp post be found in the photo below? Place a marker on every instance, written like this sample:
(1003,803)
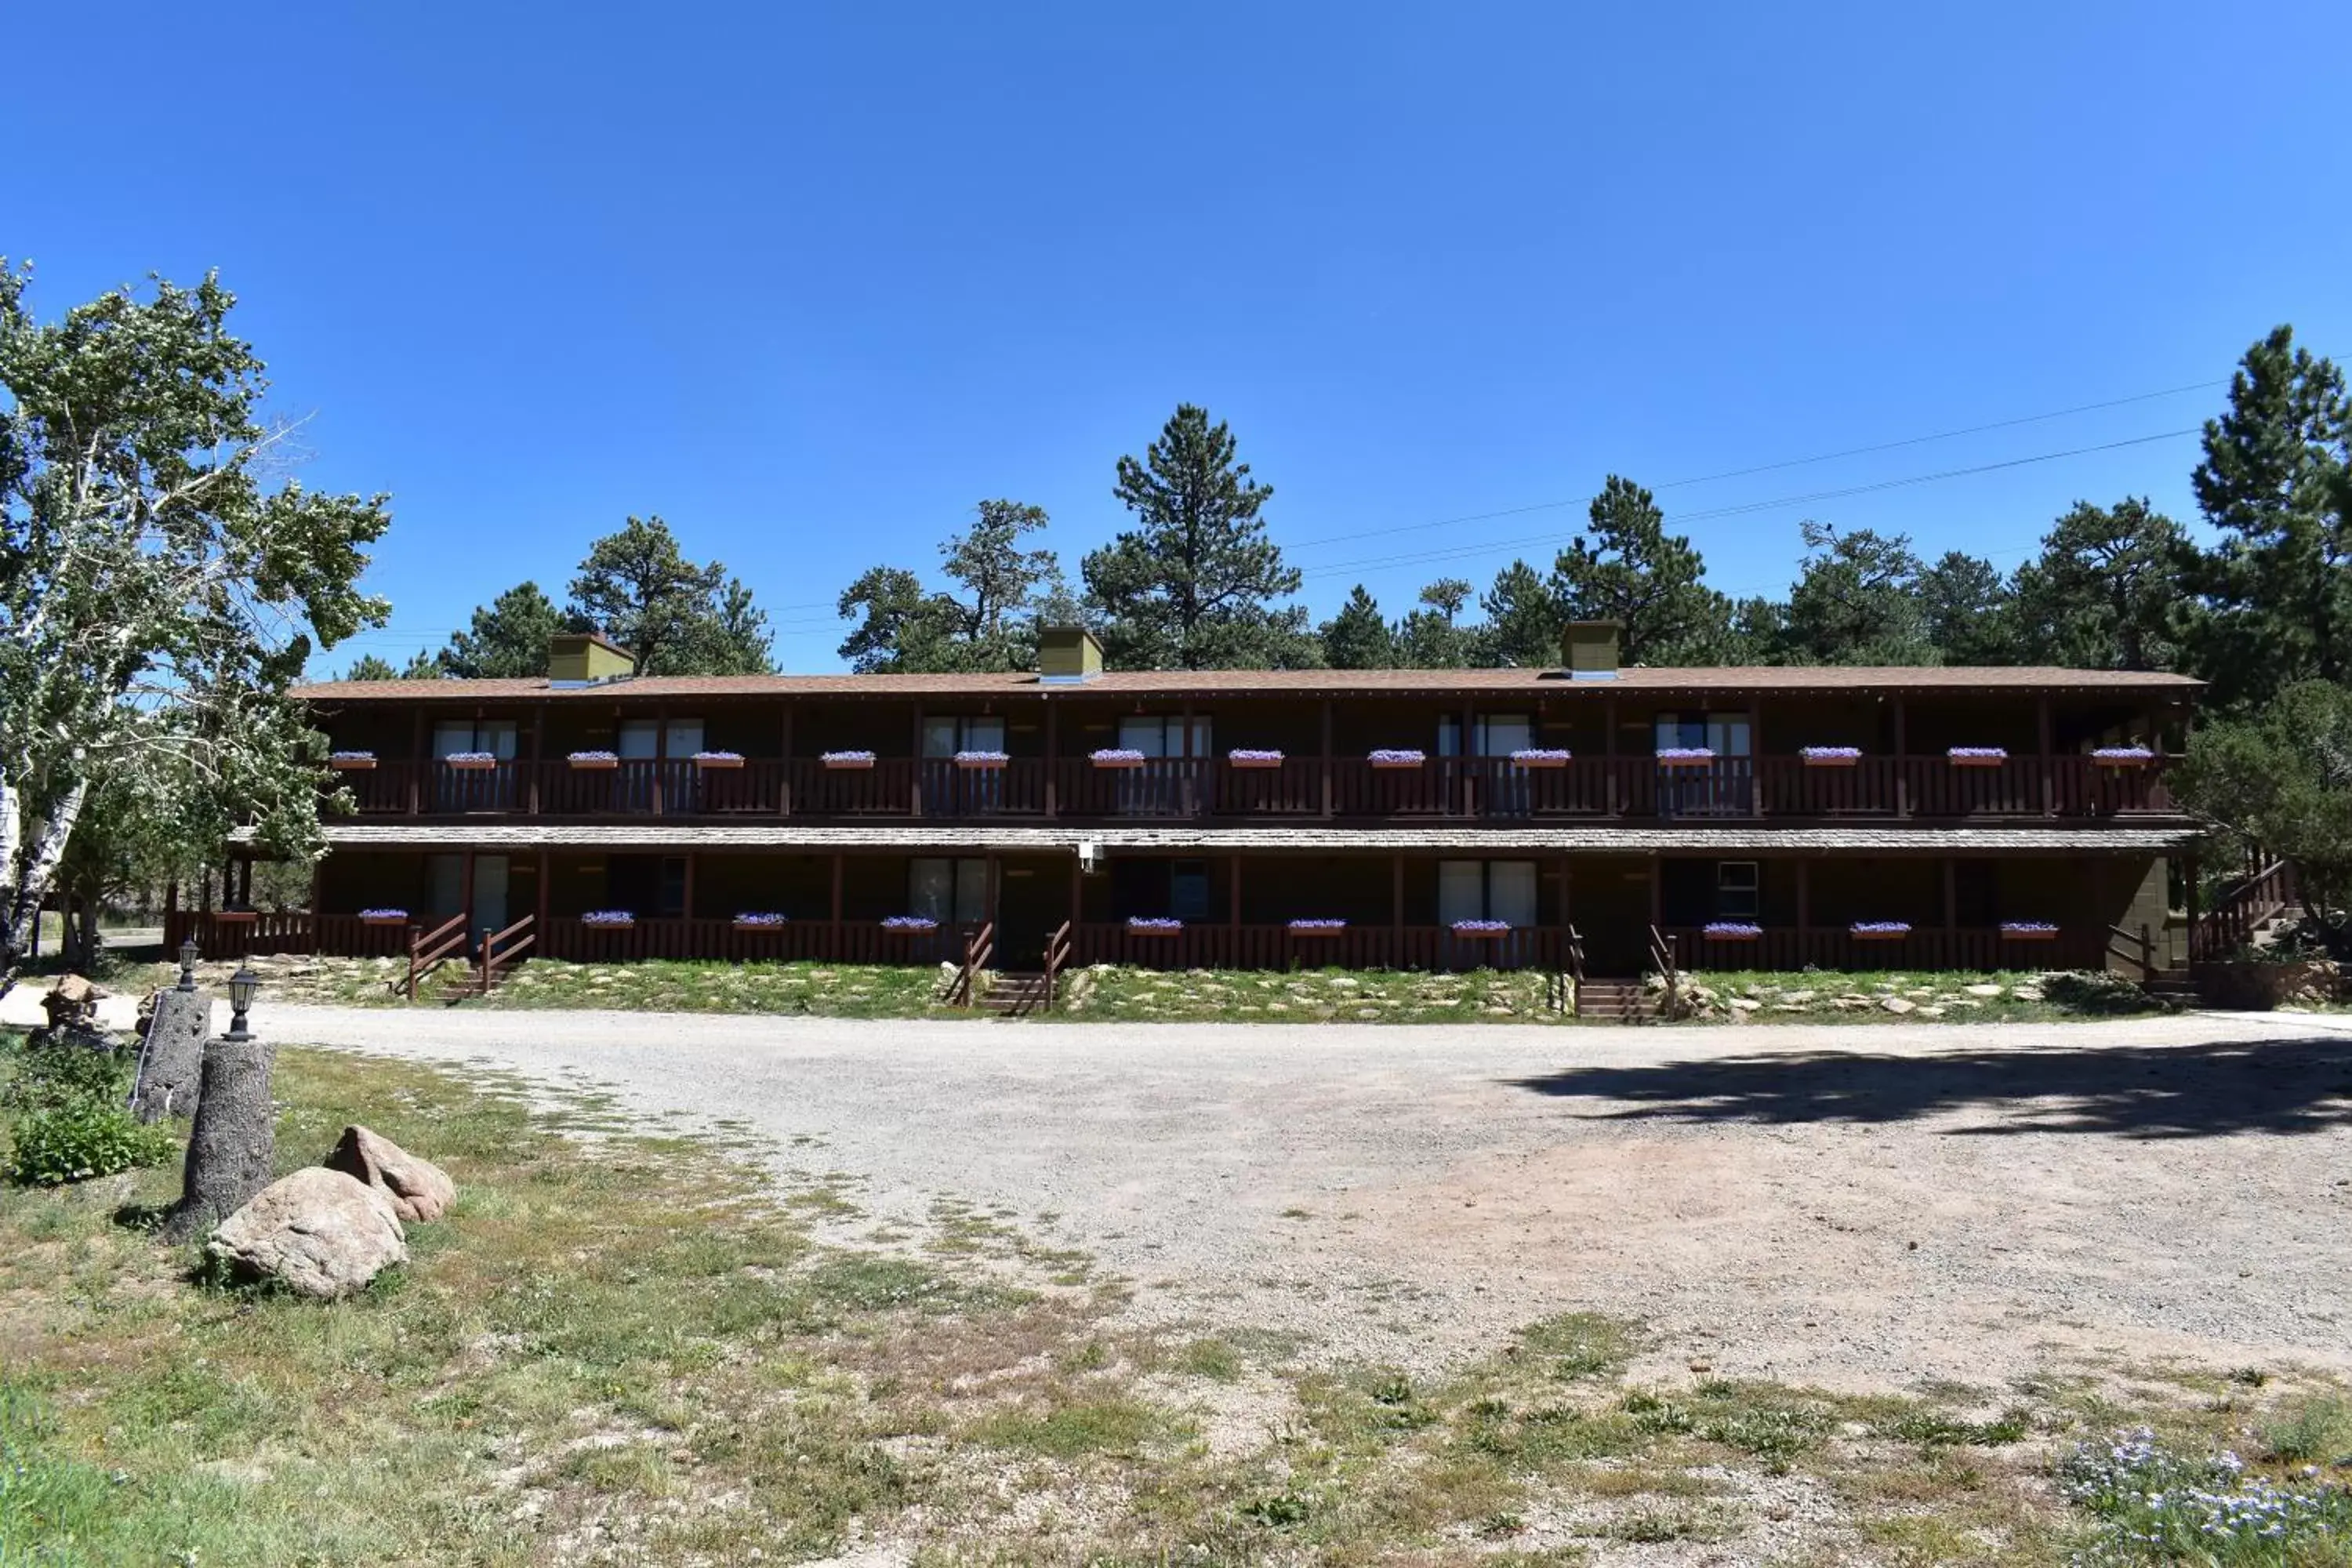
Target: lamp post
(241,989)
(188,957)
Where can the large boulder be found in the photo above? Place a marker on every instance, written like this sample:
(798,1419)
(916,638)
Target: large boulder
(419,1189)
(319,1233)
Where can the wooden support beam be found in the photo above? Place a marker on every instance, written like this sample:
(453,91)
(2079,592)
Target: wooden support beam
(2042,732)
(1902,763)
(537,753)
(686,894)
(917,808)
(836,898)
(1804,896)
(1396,893)
(1657,891)
(1327,759)
(1053,762)
(784,751)
(546,878)
(1234,891)
(1951,894)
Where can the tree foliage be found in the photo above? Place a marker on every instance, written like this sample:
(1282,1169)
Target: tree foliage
(508,637)
(157,592)
(1523,620)
(2105,592)
(1625,567)
(2280,779)
(1431,635)
(1194,585)
(1358,637)
(1007,589)
(674,616)
(2276,481)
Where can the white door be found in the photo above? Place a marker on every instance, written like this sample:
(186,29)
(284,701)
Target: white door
(638,740)
(1500,734)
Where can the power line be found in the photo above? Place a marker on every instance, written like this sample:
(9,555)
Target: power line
(1772,467)
(1744,507)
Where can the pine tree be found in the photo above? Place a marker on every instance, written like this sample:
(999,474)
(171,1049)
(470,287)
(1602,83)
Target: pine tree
(2104,593)
(1357,637)
(2277,480)
(1432,637)
(675,617)
(1194,584)
(1970,611)
(508,637)
(1625,567)
(1857,601)
(368,666)
(904,627)
(1523,620)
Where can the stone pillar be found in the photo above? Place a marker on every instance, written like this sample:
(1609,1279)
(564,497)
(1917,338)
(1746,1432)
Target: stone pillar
(235,1141)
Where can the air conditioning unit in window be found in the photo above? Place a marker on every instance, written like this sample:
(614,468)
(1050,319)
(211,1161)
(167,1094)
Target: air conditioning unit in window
(1090,856)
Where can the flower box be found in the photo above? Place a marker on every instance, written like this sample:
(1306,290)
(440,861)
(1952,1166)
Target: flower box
(758,922)
(1686,757)
(383,917)
(1392,760)
(717,760)
(1118,757)
(593,762)
(1832,756)
(2028,931)
(1539,757)
(846,762)
(909,925)
(1977,756)
(608,919)
(352,762)
(1318,928)
(472,762)
(2122,756)
(236,917)
(1253,759)
(981,761)
(1482,930)
(1878,931)
(1731,930)
(1154,927)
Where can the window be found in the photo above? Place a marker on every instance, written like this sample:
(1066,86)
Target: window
(640,740)
(1724,735)
(496,736)
(945,734)
(1738,890)
(1492,734)
(1157,735)
(1486,891)
(1188,890)
(953,893)
(669,899)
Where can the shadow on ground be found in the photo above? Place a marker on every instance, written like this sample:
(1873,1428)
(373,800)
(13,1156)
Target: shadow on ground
(2267,1085)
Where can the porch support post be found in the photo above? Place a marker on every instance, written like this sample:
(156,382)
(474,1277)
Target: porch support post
(417,762)
(917,799)
(1755,755)
(1901,763)
(1189,791)
(661,756)
(1468,805)
(1234,891)
(2041,730)
(784,751)
(1327,759)
(1657,891)
(538,915)
(686,898)
(1804,899)
(1077,890)
(1951,894)
(537,753)
(1053,760)
(466,891)
(1616,803)
(836,938)
(1396,894)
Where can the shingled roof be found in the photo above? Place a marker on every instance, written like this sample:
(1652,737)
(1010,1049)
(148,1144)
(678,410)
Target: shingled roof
(1178,683)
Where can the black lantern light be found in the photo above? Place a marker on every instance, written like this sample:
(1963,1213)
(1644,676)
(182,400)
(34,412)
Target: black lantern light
(188,957)
(241,989)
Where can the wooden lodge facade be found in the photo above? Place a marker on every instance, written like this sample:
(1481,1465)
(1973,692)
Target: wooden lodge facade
(1846,819)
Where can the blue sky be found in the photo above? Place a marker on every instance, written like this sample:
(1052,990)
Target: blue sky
(810,281)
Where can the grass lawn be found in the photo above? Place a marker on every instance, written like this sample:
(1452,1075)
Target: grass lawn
(627,1345)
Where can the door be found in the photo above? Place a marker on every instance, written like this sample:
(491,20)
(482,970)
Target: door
(1164,786)
(489,894)
(469,789)
(951,791)
(1719,789)
(1032,898)
(641,744)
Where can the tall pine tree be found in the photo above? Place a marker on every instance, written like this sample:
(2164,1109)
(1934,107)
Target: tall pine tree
(1194,585)
(1357,637)
(1625,567)
(2104,593)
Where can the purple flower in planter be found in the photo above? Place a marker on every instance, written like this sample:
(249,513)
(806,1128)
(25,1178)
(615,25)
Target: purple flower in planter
(911,922)
(609,918)
(1479,927)
(1686,754)
(983,757)
(2124,755)
(471,757)
(1731,930)
(1830,754)
(1153,923)
(717,756)
(2028,928)
(595,757)
(1539,755)
(1400,754)
(351,756)
(1245,755)
(383,914)
(847,757)
(1880,928)
(1116,755)
(765,917)
(1318,925)
(1977,753)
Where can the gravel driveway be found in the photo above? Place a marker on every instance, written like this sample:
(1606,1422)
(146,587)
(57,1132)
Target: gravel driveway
(1857,1206)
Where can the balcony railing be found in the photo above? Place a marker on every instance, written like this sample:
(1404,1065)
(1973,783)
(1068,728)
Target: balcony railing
(1783,949)
(1219,946)
(1458,789)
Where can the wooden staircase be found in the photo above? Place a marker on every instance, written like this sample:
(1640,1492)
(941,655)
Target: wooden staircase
(1612,999)
(1012,994)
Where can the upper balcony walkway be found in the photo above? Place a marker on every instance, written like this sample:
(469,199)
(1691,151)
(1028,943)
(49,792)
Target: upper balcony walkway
(1453,790)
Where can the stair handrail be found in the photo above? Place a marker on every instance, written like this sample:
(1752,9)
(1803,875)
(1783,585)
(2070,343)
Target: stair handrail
(492,944)
(2264,891)
(1662,954)
(1057,954)
(1573,989)
(2143,945)
(979,947)
(428,949)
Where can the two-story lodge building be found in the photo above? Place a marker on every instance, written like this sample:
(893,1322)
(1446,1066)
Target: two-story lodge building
(1848,818)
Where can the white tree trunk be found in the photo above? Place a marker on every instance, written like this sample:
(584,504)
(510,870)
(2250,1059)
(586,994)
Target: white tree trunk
(40,859)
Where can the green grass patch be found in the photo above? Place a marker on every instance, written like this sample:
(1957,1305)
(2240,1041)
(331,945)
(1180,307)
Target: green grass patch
(1958,996)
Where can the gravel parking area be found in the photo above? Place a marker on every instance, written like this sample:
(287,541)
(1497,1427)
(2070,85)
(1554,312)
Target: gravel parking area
(1856,1206)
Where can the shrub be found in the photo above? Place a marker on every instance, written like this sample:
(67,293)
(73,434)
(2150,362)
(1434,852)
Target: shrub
(2157,1506)
(72,1122)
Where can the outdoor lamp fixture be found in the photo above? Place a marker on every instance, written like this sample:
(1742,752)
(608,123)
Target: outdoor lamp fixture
(188,957)
(241,987)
